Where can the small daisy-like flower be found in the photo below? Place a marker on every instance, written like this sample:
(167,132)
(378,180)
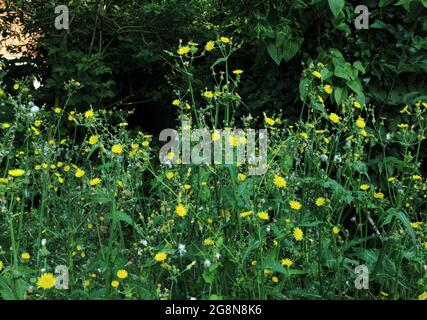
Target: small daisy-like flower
(89,114)
(416,177)
(335,230)
(295,205)
(93,140)
(117,149)
(263,215)
(216,135)
(16,173)
(360,123)
(316,74)
(416,225)
(320,201)
(357,105)
(46,281)
(95,181)
(328,88)
(208,94)
(180,210)
(16,86)
(160,256)
(275,279)
(237,72)
(183,50)
(115,283)
(379,195)
(122,274)
(79,173)
(210,45)
(269,121)
(287,262)
(298,234)
(57,110)
(225,40)
(25,256)
(334,118)
(279,181)
(241,177)
(364,187)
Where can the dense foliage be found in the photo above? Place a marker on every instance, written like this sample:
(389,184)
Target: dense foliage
(81,183)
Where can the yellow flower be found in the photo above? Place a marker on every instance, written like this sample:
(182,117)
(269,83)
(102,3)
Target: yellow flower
(296,205)
(379,195)
(4,181)
(117,149)
(335,230)
(241,177)
(357,105)
(25,256)
(425,245)
(298,234)
(183,50)
(95,181)
(328,88)
(216,135)
(89,114)
(391,179)
(170,175)
(208,242)
(246,214)
(46,281)
(263,215)
(320,201)
(181,211)
(334,118)
(16,173)
(279,181)
(93,140)
(115,283)
(79,173)
(360,122)
(225,40)
(364,187)
(208,94)
(237,72)
(210,45)
(416,177)
(403,126)
(275,279)
(317,74)
(423,296)
(233,141)
(416,225)
(16,86)
(57,110)
(161,256)
(6,125)
(304,135)
(405,110)
(270,121)
(122,274)
(287,262)
(176,102)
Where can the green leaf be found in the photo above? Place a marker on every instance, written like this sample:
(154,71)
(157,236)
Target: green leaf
(336,6)
(275,53)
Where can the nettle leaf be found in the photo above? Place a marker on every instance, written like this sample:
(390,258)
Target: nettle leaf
(275,53)
(291,48)
(336,6)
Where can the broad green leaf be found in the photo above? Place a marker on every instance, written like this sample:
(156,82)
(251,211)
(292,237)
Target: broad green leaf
(275,53)
(336,6)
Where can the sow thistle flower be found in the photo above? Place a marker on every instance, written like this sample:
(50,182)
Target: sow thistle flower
(210,45)
(79,173)
(334,118)
(183,50)
(117,149)
(208,94)
(263,215)
(225,40)
(16,173)
(170,175)
(237,72)
(279,181)
(25,256)
(89,114)
(403,126)
(360,123)
(93,140)
(378,195)
(320,201)
(328,88)
(246,214)
(269,121)
(115,283)
(295,205)
(241,177)
(95,181)
(316,74)
(335,230)
(122,274)
(46,281)
(208,242)
(298,234)
(364,187)
(160,256)
(287,262)
(357,105)
(180,210)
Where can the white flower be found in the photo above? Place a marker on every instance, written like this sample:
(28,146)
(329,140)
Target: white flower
(144,242)
(217,255)
(207,263)
(36,83)
(324,158)
(34,109)
(44,242)
(181,249)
